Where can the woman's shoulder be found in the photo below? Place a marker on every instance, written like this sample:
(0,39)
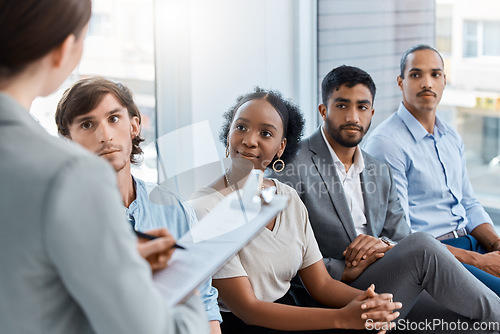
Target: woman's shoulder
(294,203)
(284,189)
(203,200)
(204,192)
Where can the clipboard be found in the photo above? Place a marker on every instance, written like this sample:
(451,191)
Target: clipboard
(223,232)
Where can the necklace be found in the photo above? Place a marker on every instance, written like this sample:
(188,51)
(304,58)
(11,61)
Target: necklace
(227,180)
(229,184)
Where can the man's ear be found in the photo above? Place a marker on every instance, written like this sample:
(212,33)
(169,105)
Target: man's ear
(61,53)
(135,127)
(400,82)
(373,111)
(322,111)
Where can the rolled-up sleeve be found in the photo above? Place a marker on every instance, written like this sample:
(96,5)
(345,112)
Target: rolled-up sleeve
(209,296)
(476,215)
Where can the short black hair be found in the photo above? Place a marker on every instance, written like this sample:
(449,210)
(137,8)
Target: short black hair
(345,75)
(402,64)
(293,121)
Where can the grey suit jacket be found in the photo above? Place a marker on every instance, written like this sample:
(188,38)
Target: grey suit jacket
(312,173)
(68,258)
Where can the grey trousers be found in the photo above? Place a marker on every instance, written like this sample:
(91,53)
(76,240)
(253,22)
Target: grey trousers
(418,263)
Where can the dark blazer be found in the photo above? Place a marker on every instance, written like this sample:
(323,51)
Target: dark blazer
(312,173)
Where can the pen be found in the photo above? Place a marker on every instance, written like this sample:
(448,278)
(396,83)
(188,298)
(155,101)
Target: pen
(152,237)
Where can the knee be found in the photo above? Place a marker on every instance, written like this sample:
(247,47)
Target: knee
(421,241)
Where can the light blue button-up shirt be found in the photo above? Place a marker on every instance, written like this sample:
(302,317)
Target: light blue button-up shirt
(156,207)
(430,173)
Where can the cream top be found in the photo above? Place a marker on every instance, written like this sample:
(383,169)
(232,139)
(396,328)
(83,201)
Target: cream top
(274,257)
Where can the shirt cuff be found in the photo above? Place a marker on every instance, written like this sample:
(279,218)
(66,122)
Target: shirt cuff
(210,295)
(476,218)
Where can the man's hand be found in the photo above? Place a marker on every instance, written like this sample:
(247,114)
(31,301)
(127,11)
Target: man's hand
(487,236)
(489,262)
(495,246)
(351,273)
(158,251)
(362,248)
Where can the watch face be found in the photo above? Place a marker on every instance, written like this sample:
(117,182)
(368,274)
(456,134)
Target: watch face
(387,241)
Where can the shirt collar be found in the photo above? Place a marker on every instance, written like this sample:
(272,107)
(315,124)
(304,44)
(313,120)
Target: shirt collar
(358,164)
(439,128)
(416,129)
(138,185)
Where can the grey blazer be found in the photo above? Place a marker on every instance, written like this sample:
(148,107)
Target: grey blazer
(68,258)
(312,173)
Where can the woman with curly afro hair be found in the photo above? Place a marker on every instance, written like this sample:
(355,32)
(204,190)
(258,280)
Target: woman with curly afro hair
(263,130)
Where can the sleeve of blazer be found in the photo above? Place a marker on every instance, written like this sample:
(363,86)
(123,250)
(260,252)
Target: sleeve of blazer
(396,226)
(94,253)
(291,176)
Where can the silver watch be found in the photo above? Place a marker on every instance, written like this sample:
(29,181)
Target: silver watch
(388,241)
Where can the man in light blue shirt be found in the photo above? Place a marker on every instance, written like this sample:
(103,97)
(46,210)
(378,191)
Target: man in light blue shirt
(101,116)
(155,206)
(428,161)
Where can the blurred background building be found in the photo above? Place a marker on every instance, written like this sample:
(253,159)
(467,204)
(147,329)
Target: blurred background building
(468,35)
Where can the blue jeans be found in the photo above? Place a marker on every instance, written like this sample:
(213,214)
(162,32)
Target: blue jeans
(468,242)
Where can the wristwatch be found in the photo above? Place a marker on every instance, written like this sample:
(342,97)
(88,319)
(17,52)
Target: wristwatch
(388,241)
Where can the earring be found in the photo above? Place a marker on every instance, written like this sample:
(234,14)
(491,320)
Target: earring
(227,150)
(282,165)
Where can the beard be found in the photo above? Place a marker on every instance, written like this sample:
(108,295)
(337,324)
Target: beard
(337,134)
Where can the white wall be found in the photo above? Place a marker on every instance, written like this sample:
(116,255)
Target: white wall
(473,73)
(372,35)
(210,52)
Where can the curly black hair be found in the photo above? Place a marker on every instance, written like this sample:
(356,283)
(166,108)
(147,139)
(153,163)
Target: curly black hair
(293,121)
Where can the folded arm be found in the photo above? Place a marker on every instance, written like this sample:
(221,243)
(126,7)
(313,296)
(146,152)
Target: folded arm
(489,262)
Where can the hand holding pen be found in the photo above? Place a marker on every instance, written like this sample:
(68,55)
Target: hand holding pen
(157,247)
(147,236)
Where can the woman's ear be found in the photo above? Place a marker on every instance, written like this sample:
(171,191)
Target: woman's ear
(282,147)
(61,54)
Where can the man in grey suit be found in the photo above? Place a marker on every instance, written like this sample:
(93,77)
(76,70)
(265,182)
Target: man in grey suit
(354,207)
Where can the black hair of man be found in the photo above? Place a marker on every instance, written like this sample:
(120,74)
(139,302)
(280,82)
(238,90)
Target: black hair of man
(402,65)
(345,75)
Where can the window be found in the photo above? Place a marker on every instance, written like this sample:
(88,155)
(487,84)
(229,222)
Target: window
(471,38)
(120,46)
(481,38)
(99,25)
(491,46)
(444,26)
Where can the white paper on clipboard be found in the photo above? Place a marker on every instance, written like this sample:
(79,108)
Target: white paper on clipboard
(232,228)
